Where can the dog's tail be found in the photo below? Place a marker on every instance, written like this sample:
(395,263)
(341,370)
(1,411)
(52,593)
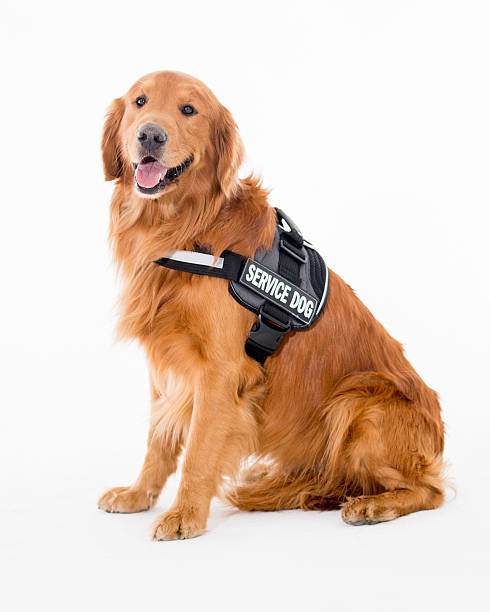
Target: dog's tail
(274,490)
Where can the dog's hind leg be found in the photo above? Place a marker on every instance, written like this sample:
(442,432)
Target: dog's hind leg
(391,453)
(377,454)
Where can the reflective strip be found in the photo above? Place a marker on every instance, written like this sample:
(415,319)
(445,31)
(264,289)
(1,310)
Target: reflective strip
(325,291)
(325,288)
(194,257)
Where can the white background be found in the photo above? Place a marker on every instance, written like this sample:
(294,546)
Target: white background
(370,121)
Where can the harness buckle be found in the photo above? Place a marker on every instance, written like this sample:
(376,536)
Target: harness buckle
(291,228)
(265,336)
(289,250)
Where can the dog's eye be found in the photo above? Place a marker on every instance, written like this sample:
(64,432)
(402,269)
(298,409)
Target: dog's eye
(141,101)
(187,109)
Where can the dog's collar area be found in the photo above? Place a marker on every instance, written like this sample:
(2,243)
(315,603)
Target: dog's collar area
(286,287)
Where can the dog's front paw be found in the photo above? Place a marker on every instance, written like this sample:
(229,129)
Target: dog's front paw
(126,499)
(179,524)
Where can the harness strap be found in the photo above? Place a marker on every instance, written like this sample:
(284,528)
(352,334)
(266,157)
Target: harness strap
(273,324)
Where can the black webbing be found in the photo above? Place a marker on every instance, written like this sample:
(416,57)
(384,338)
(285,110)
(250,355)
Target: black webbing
(273,323)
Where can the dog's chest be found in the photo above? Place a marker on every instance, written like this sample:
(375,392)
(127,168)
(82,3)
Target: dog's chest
(170,307)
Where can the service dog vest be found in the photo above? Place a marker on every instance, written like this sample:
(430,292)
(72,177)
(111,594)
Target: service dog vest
(287,287)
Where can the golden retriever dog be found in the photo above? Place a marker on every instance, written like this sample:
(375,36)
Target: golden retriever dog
(335,418)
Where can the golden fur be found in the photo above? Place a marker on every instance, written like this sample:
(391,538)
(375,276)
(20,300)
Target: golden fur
(336,418)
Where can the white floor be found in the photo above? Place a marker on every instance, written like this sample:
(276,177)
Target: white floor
(59,552)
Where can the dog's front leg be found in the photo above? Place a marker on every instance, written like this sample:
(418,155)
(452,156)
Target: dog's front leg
(222,431)
(160,462)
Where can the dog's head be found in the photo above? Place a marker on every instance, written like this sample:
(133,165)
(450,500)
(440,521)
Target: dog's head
(168,130)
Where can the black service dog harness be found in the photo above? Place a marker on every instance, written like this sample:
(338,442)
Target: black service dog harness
(286,287)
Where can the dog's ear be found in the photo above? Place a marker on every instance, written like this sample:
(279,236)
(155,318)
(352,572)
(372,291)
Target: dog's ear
(229,151)
(111,155)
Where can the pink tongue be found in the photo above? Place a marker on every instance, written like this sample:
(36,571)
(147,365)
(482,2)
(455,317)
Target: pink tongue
(149,173)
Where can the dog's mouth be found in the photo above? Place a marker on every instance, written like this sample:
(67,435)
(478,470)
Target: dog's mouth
(151,176)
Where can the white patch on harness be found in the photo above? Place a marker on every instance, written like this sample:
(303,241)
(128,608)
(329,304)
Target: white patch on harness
(194,257)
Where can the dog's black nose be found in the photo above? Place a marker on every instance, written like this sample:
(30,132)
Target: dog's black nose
(151,137)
